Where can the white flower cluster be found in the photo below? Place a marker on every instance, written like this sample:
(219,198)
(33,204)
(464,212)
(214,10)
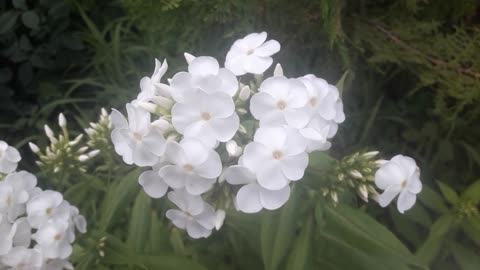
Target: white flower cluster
(192,131)
(37,227)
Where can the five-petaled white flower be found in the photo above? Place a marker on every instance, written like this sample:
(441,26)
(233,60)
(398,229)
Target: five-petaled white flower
(45,206)
(281,101)
(277,156)
(137,140)
(195,166)
(195,216)
(401,176)
(208,117)
(203,73)
(54,239)
(9,158)
(252,197)
(251,54)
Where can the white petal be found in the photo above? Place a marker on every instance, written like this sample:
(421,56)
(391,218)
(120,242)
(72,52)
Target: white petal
(7,166)
(155,142)
(274,199)
(295,143)
(197,185)
(278,87)
(262,104)
(153,184)
(257,65)
(174,176)
(208,83)
(142,156)
(405,201)
(294,166)
(183,115)
(12,154)
(274,138)
(255,39)
(176,154)
(195,151)
(211,168)
(118,120)
(204,65)
(225,128)
(407,163)
(255,154)
(389,174)
(207,218)
(270,175)
(229,82)
(297,118)
(234,62)
(239,175)
(218,105)
(178,218)
(414,183)
(195,230)
(122,143)
(268,48)
(248,199)
(388,195)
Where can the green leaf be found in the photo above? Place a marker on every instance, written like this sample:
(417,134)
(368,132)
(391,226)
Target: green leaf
(448,193)
(466,258)
(343,82)
(432,200)
(158,236)
(302,247)
(117,198)
(7,21)
(472,192)
(30,19)
(433,244)
(277,234)
(139,226)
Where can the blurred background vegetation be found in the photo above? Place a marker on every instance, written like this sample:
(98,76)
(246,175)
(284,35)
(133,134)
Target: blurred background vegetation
(412,87)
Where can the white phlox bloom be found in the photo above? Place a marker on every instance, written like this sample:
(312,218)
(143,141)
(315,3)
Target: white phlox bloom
(54,238)
(251,54)
(15,190)
(152,91)
(277,156)
(204,73)
(399,176)
(252,197)
(137,140)
(22,258)
(281,101)
(194,166)
(195,216)
(47,205)
(9,158)
(152,183)
(210,118)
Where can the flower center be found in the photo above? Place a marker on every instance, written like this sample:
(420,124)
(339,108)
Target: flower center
(137,136)
(250,51)
(9,200)
(404,183)
(277,154)
(281,105)
(313,102)
(49,211)
(188,167)
(57,237)
(205,116)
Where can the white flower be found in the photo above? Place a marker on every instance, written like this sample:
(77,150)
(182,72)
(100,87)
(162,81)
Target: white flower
(153,184)
(47,205)
(14,193)
(207,117)
(136,140)
(22,258)
(203,73)
(7,232)
(281,101)
(252,197)
(233,149)
(251,54)
(277,156)
(54,239)
(220,218)
(152,90)
(316,132)
(195,166)
(401,176)
(9,158)
(195,216)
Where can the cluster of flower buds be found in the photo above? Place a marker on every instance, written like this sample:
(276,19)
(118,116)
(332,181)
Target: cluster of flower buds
(37,227)
(358,172)
(210,124)
(63,154)
(99,133)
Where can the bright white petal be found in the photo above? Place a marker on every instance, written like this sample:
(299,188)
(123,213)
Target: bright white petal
(262,104)
(268,48)
(197,185)
(255,155)
(388,195)
(225,128)
(273,137)
(294,166)
(274,199)
(155,142)
(407,163)
(178,218)
(389,174)
(176,154)
(195,230)
(153,184)
(212,167)
(257,65)
(239,175)
(12,154)
(184,115)
(229,82)
(248,199)
(405,201)
(270,175)
(142,156)
(204,65)
(195,151)
(174,176)
(118,120)
(254,40)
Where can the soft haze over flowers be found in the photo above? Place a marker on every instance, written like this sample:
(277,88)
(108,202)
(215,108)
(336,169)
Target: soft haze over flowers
(37,227)
(217,137)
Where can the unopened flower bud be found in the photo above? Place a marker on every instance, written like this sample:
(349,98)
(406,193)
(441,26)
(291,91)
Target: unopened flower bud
(363,192)
(370,154)
(76,140)
(356,174)
(334,196)
(149,107)
(278,71)
(233,149)
(380,162)
(82,149)
(93,153)
(62,121)
(244,93)
(103,112)
(219,219)
(83,158)
(34,147)
(242,111)
(50,135)
(189,57)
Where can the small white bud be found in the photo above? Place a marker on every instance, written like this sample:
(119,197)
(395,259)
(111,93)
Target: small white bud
(233,149)
(334,196)
(370,154)
(89,131)
(161,124)
(244,93)
(93,125)
(103,112)
(149,107)
(76,140)
(62,121)
(189,57)
(242,129)
(278,71)
(93,153)
(242,111)
(56,169)
(83,158)
(34,147)
(363,192)
(49,133)
(380,162)
(82,149)
(101,253)
(219,219)
(356,174)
